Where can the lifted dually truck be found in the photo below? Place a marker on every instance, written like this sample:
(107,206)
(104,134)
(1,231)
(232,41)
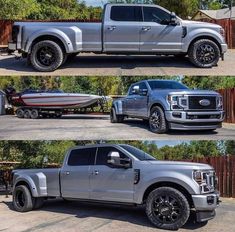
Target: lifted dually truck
(167,104)
(122,174)
(125,29)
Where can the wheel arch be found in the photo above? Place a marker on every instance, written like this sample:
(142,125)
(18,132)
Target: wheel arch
(176,186)
(156,104)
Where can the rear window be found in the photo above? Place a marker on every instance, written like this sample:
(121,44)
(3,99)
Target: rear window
(166,85)
(82,157)
(126,13)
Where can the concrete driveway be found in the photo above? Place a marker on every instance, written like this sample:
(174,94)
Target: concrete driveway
(96,127)
(57,215)
(103,65)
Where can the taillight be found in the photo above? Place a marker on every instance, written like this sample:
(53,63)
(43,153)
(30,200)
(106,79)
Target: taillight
(222,32)
(15,32)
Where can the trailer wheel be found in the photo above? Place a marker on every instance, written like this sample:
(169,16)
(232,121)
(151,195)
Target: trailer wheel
(38,202)
(20,113)
(114,118)
(204,53)
(27,114)
(157,120)
(46,56)
(34,114)
(167,208)
(22,199)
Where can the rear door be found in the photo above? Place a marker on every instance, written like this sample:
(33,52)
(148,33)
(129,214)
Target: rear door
(157,34)
(109,183)
(75,174)
(122,28)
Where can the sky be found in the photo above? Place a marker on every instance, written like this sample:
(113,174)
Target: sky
(171,143)
(95,2)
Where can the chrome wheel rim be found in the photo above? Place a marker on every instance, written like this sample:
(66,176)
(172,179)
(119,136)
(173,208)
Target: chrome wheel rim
(167,209)
(206,54)
(46,56)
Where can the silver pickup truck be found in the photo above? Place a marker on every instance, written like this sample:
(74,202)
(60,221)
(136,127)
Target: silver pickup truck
(123,174)
(168,104)
(125,29)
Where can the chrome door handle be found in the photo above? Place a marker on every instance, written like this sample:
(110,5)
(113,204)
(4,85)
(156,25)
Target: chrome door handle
(146,28)
(111,28)
(96,172)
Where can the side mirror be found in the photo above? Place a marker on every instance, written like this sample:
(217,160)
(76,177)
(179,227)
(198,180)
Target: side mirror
(115,160)
(144,92)
(136,90)
(173,19)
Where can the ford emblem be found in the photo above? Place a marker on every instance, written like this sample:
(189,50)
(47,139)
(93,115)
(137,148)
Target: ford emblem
(204,102)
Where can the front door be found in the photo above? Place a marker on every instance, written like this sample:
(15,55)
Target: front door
(75,175)
(109,183)
(122,29)
(156,32)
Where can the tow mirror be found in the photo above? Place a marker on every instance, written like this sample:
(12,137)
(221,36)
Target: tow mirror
(173,19)
(115,160)
(136,89)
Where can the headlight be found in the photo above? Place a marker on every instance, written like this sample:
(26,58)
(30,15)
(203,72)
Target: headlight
(206,180)
(177,102)
(220,102)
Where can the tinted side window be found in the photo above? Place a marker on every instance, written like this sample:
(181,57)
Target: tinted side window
(155,14)
(82,157)
(102,155)
(126,13)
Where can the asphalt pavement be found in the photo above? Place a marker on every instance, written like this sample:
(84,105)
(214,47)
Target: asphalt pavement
(97,127)
(117,65)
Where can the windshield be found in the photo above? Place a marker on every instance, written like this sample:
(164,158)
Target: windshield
(166,85)
(139,154)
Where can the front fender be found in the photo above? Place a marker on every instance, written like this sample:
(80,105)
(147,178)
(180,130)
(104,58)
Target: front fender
(199,33)
(169,177)
(71,44)
(36,183)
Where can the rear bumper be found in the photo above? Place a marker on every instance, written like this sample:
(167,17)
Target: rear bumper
(195,120)
(205,206)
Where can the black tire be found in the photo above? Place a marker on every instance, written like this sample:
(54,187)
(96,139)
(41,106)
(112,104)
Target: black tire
(204,53)
(27,114)
(157,120)
(46,56)
(20,113)
(34,114)
(114,118)
(38,202)
(167,208)
(22,199)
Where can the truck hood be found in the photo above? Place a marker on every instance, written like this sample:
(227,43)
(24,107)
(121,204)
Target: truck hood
(200,24)
(180,165)
(184,92)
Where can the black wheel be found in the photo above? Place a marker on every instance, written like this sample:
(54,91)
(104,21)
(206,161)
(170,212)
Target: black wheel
(46,56)
(38,202)
(157,121)
(34,114)
(20,113)
(22,199)
(27,114)
(167,208)
(114,118)
(204,53)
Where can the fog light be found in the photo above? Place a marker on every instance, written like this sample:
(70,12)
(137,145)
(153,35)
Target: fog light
(210,200)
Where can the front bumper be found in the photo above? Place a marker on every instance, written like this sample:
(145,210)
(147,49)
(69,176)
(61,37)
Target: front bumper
(194,120)
(224,48)
(205,206)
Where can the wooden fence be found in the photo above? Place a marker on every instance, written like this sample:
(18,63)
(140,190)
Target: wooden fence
(229,104)
(225,170)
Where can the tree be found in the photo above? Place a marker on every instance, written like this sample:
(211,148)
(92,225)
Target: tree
(12,9)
